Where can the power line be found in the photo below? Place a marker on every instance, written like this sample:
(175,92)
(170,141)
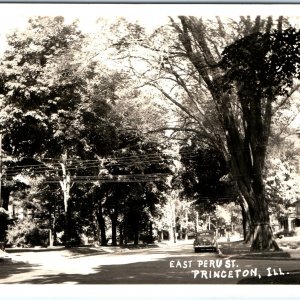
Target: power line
(40,171)
(111,178)
(53,165)
(118,158)
(113,161)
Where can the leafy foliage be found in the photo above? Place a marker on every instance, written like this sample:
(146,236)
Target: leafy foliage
(263,63)
(204,176)
(26,233)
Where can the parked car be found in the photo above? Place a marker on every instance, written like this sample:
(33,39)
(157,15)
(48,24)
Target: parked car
(206,240)
(284,233)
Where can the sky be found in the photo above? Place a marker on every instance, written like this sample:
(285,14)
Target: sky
(14,16)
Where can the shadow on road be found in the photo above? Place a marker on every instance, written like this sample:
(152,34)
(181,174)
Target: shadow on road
(151,266)
(8,269)
(134,273)
(157,271)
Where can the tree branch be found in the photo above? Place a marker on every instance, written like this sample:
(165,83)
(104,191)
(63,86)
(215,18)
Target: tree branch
(285,100)
(175,129)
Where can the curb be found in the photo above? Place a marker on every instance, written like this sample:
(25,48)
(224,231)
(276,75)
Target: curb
(278,255)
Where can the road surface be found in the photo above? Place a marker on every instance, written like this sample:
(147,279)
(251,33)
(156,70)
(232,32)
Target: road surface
(170,264)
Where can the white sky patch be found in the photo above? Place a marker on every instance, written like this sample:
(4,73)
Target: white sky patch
(14,16)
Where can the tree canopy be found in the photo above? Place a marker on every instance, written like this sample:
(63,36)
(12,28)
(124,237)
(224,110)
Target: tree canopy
(227,80)
(80,127)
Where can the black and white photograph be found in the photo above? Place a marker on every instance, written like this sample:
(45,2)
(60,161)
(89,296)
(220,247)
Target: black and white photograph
(149,144)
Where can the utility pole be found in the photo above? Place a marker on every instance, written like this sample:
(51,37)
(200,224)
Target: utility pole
(197,221)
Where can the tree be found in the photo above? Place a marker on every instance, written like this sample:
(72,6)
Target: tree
(282,176)
(131,203)
(227,80)
(53,105)
(10,184)
(262,67)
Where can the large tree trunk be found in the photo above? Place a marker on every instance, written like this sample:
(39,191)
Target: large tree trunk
(3,228)
(247,156)
(246,219)
(151,237)
(246,225)
(160,235)
(114,218)
(68,227)
(259,232)
(102,227)
(171,234)
(180,232)
(125,236)
(65,184)
(5,193)
(256,222)
(136,236)
(121,230)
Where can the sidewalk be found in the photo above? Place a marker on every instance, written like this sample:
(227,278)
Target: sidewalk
(236,248)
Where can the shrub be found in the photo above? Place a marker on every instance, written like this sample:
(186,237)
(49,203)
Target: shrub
(26,233)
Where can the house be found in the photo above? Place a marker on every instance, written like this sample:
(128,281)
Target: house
(292,220)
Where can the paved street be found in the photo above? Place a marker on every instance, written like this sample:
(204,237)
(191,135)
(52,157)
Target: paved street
(166,264)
